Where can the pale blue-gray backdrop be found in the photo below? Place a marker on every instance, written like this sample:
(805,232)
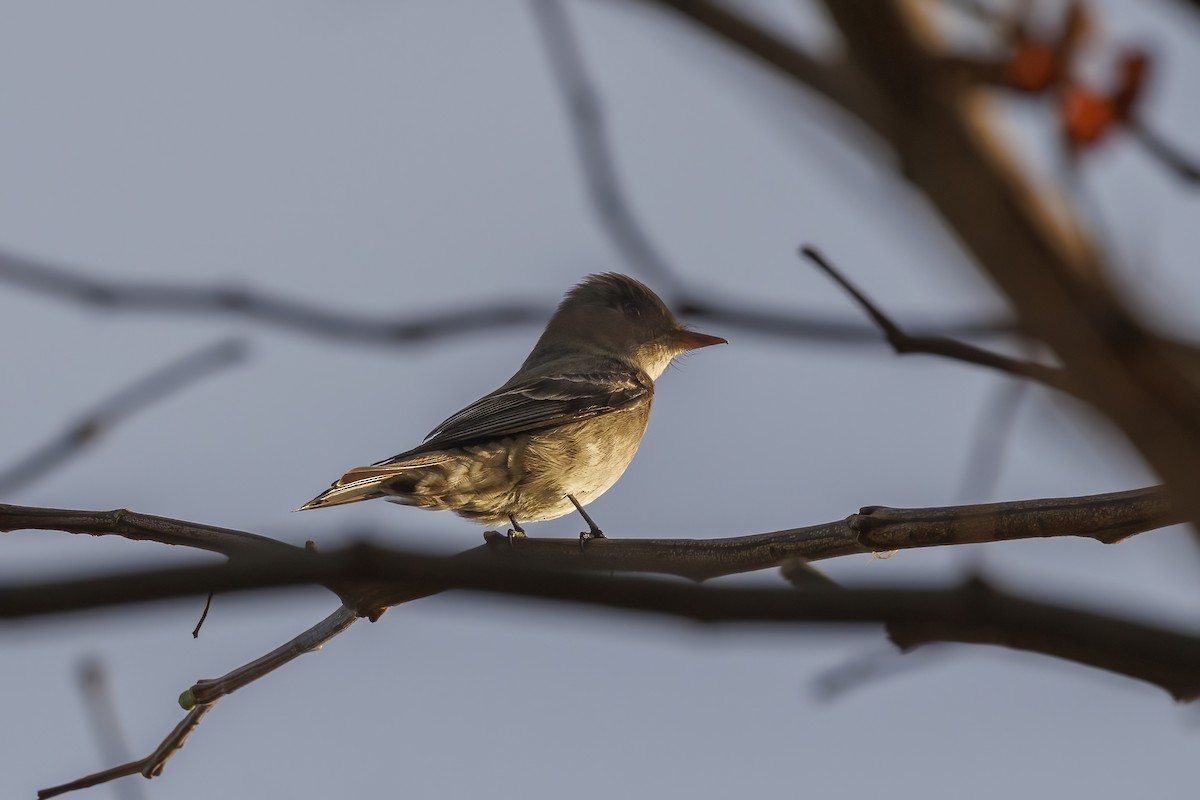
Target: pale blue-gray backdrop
(394,157)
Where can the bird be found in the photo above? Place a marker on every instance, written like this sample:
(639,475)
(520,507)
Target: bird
(558,433)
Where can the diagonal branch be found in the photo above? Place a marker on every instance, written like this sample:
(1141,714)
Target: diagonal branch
(1056,279)
(161,383)
(149,767)
(903,343)
(592,144)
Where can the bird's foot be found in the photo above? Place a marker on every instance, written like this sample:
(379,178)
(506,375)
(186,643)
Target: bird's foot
(514,534)
(587,536)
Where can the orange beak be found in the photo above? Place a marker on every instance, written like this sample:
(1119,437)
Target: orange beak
(692,340)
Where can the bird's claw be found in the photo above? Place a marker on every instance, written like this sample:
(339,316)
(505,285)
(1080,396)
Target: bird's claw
(587,536)
(514,535)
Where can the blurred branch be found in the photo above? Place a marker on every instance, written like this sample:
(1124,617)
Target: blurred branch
(597,163)
(1056,279)
(592,145)
(370,579)
(838,82)
(1149,387)
(90,427)
(312,320)
(988,446)
(973,612)
(1164,151)
(105,722)
(163,298)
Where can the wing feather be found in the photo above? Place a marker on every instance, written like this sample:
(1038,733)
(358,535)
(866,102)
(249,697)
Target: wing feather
(536,404)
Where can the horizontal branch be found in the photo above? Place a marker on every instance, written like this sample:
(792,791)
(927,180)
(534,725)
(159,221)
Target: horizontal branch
(369,580)
(355,327)
(1166,658)
(141,528)
(1105,517)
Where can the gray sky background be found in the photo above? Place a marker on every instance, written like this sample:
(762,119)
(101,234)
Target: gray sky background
(397,157)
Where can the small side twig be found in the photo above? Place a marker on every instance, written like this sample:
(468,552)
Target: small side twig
(903,343)
(149,767)
(209,690)
(93,424)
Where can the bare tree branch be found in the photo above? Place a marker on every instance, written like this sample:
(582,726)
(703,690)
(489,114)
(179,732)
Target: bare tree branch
(1147,385)
(592,146)
(903,343)
(369,580)
(93,424)
(210,690)
(163,298)
(974,612)
(1107,518)
(148,767)
(358,328)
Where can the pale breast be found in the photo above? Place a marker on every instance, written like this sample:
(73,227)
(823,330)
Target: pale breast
(582,459)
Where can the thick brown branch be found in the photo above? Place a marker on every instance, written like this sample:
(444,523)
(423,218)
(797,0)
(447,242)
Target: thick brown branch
(1056,280)
(1106,517)
(371,580)
(1149,387)
(1159,656)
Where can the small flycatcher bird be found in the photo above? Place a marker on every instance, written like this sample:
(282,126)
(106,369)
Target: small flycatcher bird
(559,433)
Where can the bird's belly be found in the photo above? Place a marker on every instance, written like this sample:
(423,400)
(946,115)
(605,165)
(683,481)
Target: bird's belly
(583,459)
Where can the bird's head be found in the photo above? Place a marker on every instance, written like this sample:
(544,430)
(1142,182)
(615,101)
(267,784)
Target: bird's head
(618,316)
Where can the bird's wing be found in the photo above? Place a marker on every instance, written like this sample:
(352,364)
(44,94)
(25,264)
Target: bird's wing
(536,404)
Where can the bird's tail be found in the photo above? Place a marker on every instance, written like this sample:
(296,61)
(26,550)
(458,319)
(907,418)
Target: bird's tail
(365,483)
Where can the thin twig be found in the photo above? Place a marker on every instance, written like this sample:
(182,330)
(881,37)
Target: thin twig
(149,767)
(92,425)
(203,616)
(209,690)
(903,342)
